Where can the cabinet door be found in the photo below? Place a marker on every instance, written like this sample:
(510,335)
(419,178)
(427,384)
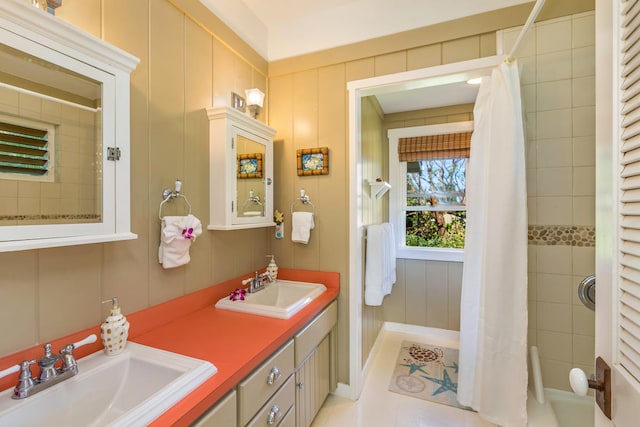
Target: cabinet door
(253,178)
(221,414)
(240,171)
(313,383)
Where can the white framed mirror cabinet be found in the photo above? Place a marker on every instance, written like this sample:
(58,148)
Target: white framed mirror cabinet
(64,133)
(240,170)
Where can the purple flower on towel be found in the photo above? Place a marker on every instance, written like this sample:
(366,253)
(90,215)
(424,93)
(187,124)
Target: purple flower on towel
(237,295)
(187,233)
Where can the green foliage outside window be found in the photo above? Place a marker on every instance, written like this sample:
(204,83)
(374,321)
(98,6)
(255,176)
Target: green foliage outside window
(436,183)
(425,229)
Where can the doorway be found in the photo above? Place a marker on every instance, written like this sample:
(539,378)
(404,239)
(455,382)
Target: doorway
(430,82)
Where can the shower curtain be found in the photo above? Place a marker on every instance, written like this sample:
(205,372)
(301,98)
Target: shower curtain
(493,322)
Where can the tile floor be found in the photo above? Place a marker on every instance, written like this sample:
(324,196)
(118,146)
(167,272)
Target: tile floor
(379,407)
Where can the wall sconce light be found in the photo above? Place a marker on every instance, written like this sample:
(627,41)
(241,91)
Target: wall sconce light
(255,100)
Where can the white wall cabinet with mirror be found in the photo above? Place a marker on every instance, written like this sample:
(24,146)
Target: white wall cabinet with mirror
(240,170)
(64,133)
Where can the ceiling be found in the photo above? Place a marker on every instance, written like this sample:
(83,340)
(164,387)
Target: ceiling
(279,29)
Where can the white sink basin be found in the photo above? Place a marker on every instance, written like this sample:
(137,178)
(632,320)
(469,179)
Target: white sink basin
(132,388)
(281,299)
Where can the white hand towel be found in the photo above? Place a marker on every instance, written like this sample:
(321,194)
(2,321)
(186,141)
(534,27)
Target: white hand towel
(391,256)
(380,264)
(176,235)
(301,225)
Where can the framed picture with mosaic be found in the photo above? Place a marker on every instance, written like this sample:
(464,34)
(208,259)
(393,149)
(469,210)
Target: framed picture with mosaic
(313,161)
(249,165)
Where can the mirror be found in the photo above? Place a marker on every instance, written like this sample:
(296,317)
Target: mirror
(250,181)
(64,133)
(50,142)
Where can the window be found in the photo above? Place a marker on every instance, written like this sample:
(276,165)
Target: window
(25,149)
(428,168)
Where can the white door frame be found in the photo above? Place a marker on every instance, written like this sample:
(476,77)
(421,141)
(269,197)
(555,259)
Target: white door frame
(625,389)
(606,193)
(433,76)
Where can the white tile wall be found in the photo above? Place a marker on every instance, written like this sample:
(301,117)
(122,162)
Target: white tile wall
(558,87)
(553,35)
(555,152)
(554,210)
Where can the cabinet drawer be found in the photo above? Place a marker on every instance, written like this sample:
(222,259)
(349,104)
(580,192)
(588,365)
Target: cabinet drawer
(289,420)
(259,386)
(277,407)
(222,413)
(312,334)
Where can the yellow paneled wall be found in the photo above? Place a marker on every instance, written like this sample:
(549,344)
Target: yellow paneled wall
(298,91)
(184,68)
(191,60)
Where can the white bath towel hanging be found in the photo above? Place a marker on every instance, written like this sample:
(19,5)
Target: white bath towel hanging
(177,233)
(301,225)
(380,264)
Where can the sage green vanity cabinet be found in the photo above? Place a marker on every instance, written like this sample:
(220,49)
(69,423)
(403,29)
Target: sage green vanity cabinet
(223,413)
(289,387)
(315,347)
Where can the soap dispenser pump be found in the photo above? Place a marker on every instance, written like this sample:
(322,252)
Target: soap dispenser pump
(114,330)
(272,268)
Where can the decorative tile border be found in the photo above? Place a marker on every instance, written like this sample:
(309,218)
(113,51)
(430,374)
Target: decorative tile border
(52,217)
(562,235)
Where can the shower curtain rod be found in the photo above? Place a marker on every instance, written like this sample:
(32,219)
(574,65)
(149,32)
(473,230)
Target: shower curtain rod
(532,17)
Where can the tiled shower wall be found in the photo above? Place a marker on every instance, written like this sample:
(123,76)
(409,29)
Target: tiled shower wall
(558,91)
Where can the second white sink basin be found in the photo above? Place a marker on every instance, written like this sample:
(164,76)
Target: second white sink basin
(281,299)
(132,388)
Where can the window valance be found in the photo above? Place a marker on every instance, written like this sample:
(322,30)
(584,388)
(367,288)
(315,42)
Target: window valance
(431,147)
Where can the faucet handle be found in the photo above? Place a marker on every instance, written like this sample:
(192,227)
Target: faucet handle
(25,369)
(66,353)
(68,361)
(88,340)
(25,380)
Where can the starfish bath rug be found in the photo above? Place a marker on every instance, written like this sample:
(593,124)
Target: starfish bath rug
(427,372)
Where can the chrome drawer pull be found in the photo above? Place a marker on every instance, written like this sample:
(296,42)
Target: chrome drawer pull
(274,415)
(274,376)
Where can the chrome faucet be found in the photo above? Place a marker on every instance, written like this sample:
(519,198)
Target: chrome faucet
(49,374)
(256,283)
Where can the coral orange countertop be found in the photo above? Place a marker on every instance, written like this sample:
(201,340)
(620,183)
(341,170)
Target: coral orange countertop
(235,343)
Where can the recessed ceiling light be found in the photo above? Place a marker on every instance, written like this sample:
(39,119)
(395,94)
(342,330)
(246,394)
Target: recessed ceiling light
(475,81)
